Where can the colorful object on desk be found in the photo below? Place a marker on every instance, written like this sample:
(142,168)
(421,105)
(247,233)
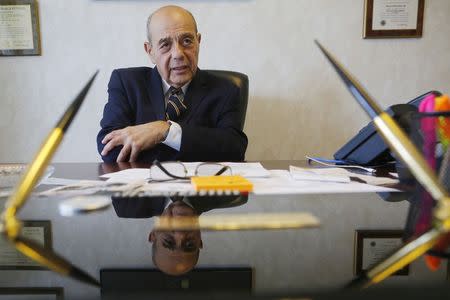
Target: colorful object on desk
(442,104)
(414,160)
(222,183)
(428,128)
(432,261)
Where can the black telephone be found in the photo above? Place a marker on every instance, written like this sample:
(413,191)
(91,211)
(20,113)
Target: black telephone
(367,148)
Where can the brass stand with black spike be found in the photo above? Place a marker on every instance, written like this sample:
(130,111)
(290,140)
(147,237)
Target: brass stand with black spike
(10,226)
(411,157)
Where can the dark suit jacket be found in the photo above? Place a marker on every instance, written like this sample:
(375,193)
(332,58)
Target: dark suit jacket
(146,207)
(210,127)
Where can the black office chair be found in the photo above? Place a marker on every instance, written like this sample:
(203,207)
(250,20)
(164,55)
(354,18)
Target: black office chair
(241,81)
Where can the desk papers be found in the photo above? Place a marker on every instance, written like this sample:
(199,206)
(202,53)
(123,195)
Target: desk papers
(281,182)
(309,174)
(247,170)
(132,182)
(340,175)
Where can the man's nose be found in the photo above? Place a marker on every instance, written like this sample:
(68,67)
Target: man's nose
(179,235)
(177,51)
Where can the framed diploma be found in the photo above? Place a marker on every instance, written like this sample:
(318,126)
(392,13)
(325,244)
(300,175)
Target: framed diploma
(393,18)
(19,293)
(12,259)
(372,246)
(19,28)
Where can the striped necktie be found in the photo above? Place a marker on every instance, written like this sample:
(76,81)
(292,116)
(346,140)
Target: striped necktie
(175,106)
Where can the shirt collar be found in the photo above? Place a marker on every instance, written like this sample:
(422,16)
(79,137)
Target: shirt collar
(185,201)
(166,87)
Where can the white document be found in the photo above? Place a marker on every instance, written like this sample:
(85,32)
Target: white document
(59,181)
(281,182)
(88,187)
(369,179)
(127,175)
(10,174)
(248,170)
(310,174)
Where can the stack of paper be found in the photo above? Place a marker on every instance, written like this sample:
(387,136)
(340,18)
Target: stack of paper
(311,175)
(339,174)
(247,170)
(295,181)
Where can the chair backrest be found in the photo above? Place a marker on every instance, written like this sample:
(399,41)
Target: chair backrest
(241,81)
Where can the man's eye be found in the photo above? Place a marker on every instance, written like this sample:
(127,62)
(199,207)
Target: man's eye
(168,244)
(187,41)
(190,246)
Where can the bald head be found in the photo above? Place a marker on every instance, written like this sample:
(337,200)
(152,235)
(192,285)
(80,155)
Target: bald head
(173,44)
(172,11)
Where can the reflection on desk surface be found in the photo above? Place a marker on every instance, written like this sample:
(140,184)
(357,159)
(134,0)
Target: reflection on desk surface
(281,260)
(145,207)
(173,252)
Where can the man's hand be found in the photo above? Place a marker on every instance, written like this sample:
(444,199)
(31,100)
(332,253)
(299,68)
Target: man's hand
(135,139)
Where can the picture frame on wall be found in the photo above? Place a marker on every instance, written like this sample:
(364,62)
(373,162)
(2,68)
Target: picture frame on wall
(393,18)
(37,231)
(19,28)
(19,293)
(372,246)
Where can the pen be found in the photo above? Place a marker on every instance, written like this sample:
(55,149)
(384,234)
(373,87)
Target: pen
(11,227)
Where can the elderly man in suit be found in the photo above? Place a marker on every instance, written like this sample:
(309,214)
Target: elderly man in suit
(174,111)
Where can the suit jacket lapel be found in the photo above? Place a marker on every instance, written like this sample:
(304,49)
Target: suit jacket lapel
(155,92)
(197,90)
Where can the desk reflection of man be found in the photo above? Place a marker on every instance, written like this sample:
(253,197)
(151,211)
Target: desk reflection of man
(173,252)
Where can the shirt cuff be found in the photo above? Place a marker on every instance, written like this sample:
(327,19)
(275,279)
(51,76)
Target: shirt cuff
(173,139)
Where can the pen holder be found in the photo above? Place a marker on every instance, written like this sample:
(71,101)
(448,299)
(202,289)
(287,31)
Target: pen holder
(431,141)
(430,132)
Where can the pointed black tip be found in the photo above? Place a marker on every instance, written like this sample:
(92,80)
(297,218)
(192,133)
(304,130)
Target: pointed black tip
(318,44)
(358,283)
(83,276)
(72,110)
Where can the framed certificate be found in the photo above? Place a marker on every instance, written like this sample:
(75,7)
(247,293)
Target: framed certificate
(37,231)
(19,28)
(19,293)
(372,246)
(393,18)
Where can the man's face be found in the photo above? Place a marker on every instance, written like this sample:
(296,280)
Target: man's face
(174,46)
(176,252)
(178,241)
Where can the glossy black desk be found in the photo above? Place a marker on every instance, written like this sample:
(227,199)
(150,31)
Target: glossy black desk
(284,262)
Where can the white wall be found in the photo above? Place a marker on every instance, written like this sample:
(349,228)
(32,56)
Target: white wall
(297,105)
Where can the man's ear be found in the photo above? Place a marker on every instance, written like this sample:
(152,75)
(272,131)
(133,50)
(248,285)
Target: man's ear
(199,37)
(201,244)
(149,50)
(152,237)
